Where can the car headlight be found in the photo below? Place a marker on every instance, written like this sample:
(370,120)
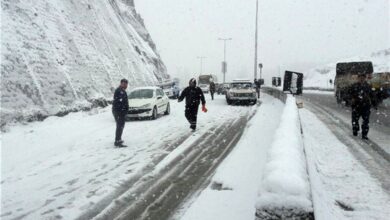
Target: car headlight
(146,105)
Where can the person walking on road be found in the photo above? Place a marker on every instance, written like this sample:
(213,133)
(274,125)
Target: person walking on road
(120,107)
(212,89)
(362,99)
(193,95)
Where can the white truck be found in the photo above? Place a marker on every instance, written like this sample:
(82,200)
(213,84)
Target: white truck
(204,82)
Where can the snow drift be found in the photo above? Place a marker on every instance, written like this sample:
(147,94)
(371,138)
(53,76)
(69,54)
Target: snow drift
(59,56)
(285,189)
(320,76)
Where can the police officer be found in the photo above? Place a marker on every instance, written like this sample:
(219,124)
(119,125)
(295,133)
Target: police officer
(212,88)
(120,107)
(193,95)
(362,99)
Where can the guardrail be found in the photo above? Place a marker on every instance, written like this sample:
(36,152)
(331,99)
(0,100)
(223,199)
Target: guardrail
(277,93)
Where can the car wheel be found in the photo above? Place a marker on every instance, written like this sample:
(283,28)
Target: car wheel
(154,113)
(168,110)
(229,102)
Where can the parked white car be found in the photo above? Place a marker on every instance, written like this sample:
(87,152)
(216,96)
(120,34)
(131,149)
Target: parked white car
(148,102)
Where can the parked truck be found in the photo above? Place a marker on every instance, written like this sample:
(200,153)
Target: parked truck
(347,74)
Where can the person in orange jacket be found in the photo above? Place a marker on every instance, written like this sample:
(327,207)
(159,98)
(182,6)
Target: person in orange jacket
(194,96)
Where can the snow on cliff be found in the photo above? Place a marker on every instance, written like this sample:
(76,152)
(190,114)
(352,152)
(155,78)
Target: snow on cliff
(319,77)
(59,56)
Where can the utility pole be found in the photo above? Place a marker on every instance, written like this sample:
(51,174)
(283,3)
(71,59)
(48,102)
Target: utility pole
(224,63)
(201,63)
(256,33)
(261,67)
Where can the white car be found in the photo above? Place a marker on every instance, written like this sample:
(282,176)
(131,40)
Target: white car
(241,91)
(148,102)
(205,88)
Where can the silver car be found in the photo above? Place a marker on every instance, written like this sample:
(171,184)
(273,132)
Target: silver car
(241,92)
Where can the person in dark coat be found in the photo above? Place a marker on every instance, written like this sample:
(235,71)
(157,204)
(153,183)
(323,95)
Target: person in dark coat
(362,99)
(257,84)
(212,89)
(194,96)
(120,107)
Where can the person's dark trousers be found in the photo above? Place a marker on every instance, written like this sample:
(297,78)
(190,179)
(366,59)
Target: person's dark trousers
(363,112)
(191,114)
(212,95)
(120,124)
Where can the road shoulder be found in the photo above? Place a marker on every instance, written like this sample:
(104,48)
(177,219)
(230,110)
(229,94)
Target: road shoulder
(342,186)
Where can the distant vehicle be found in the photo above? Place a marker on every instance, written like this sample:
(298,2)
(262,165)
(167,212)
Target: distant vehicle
(148,102)
(293,82)
(380,83)
(346,75)
(241,91)
(204,82)
(276,81)
(171,89)
(223,88)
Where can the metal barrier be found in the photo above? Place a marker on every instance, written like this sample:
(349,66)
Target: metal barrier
(279,94)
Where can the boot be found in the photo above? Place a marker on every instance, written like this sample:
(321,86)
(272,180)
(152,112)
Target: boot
(119,144)
(193,127)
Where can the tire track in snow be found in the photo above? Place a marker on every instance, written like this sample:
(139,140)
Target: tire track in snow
(367,152)
(157,196)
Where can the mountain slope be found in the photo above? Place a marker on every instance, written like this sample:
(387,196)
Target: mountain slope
(59,56)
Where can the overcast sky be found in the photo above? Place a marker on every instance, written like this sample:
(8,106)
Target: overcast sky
(292,34)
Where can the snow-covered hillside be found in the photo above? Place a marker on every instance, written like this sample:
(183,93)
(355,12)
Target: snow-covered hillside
(319,77)
(59,56)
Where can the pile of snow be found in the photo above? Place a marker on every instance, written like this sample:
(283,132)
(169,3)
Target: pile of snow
(319,77)
(285,185)
(58,56)
(232,193)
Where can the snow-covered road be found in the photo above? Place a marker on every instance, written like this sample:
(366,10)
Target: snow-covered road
(343,186)
(67,167)
(233,190)
(373,154)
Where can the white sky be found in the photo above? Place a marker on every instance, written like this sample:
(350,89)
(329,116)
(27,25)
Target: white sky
(292,34)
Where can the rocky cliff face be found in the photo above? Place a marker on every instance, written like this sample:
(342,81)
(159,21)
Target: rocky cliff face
(59,56)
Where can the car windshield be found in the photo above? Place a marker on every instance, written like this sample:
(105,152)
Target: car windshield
(242,85)
(141,94)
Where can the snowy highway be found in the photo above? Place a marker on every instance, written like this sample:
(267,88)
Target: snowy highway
(374,154)
(67,167)
(108,111)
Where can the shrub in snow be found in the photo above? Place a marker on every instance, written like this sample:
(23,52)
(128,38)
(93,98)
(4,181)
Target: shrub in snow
(285,189)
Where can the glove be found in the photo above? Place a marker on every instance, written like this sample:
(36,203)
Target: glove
(204,109)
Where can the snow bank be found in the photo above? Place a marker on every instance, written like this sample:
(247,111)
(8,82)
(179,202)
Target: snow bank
(285,186)
(232,193)
(319,77)
(57,56)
